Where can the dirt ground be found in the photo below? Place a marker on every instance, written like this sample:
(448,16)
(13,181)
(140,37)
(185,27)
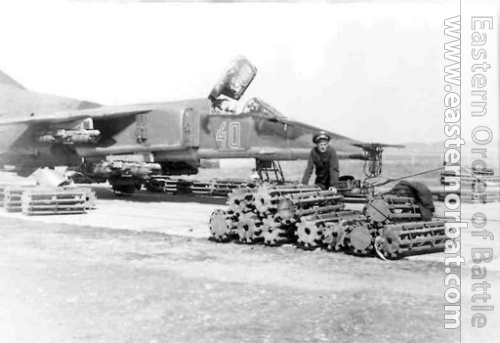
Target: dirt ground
(143,270)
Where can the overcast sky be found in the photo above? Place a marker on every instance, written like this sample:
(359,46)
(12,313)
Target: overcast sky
(369,71)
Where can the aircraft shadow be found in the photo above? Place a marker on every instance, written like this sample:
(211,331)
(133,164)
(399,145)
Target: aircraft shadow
(146,196)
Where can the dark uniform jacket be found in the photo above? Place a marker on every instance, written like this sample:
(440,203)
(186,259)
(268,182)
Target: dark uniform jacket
(326,165)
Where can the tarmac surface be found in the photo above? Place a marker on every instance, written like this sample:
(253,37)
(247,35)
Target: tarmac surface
(141,269)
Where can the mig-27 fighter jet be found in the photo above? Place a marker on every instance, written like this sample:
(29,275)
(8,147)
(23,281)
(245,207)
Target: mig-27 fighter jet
(123,144)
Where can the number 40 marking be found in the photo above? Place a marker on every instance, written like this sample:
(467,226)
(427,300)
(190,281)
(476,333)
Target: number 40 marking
(229,135)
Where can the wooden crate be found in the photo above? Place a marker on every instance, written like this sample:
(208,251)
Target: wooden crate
(54,201)
(89,195)
(12,198)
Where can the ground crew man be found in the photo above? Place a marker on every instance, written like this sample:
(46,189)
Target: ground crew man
(323,159)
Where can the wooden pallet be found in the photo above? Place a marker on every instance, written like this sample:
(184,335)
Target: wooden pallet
(12,198)
(54,201)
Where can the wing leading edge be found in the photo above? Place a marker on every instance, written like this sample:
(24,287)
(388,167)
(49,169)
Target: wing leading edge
(105,112)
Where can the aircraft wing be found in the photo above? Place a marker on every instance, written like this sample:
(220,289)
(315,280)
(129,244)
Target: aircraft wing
(345,144)
(268,112)
(370,146)
(336,136)
(104,112)
(314,129)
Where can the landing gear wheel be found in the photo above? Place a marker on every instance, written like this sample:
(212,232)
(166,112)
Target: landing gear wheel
(124,190)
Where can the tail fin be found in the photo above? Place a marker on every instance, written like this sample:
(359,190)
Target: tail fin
(7,80)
